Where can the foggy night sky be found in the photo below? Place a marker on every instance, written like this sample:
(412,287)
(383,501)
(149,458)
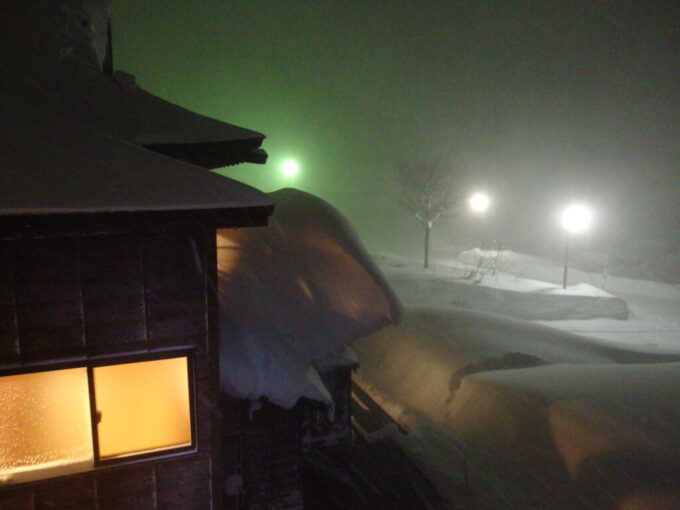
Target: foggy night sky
(545,102)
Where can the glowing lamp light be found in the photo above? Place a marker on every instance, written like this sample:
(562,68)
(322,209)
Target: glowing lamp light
(479,202)
(576,218)
(290,168)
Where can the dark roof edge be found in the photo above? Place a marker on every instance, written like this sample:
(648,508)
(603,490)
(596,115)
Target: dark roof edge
(129,222)
(213,155)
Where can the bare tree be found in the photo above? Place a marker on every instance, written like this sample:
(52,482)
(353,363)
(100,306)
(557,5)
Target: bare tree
(430,189)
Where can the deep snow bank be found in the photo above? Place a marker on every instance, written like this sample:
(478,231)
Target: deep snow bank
(419,361)
(572,436)
(574,429)
(291,295)
(415,289)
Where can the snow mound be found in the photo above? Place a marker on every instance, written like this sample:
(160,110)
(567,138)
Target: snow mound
(502,293)
(420,360)
(603,434)
(545,419)
(292,296)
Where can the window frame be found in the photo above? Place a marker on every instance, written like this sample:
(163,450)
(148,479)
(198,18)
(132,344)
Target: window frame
(118,359)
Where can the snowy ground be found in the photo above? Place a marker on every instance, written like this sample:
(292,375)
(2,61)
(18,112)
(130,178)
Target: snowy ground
(544,418)
(653,317)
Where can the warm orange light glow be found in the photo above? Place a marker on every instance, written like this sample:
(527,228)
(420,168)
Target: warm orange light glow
(45,425)
(228,253)
(660,500)
(583,431)
(143,407)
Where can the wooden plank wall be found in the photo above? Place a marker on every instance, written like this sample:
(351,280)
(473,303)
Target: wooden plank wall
(111,295)
(264,449)
(178,485)
(319,427)
(102,295)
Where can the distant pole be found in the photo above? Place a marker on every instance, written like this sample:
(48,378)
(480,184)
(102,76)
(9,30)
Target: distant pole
(575,219)
(479,203)
(426,261)
(566,261)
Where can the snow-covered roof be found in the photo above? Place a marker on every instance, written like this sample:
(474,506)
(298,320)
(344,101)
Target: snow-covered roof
(53,53)
(116,106)
(292,296)
(53,164)
(75,139)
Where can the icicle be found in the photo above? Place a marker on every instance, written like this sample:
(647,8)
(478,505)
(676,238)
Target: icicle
(255,405)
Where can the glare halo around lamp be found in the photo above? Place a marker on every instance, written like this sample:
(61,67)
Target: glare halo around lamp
(479,202)
(290,168)
(575,219)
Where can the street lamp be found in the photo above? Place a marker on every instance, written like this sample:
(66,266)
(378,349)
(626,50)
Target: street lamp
(479,202)
(575,219)
(290,169)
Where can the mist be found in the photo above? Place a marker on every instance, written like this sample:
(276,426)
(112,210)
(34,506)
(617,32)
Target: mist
(545,102)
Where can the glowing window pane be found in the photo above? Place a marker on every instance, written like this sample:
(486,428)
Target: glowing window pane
(45,425)
(142,407)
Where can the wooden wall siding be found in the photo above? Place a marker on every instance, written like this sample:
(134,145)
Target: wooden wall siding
(272,459)
(232,471)
(48,298)
(170,485)
(113,291)
(9,335)
(317,427)
(267,451)
(106,294)
(181,486)
(133,488)
(233,414)
(17,501)
(68,494)
(175,290)
(114,294)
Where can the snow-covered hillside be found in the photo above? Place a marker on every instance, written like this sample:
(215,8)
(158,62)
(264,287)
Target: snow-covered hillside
(618,309)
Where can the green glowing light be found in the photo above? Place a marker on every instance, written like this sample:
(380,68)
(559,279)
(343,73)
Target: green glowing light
(290,168)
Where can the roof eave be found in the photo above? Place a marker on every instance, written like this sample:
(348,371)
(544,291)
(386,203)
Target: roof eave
(213,155)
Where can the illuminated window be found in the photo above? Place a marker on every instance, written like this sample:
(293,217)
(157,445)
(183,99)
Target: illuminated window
(142,407)
(46,427)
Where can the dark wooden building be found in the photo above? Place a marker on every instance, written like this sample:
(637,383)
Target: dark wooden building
(109,308)
(114,324)
(109,384)
(264,451)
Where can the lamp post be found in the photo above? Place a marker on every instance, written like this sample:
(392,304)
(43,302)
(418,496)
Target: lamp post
(479,203)
(575,219)
(290,169)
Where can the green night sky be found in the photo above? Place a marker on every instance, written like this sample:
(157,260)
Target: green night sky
(544,101)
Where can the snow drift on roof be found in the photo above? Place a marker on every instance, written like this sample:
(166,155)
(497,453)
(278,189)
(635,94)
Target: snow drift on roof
(292,294)
(51,55)
(52,164)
